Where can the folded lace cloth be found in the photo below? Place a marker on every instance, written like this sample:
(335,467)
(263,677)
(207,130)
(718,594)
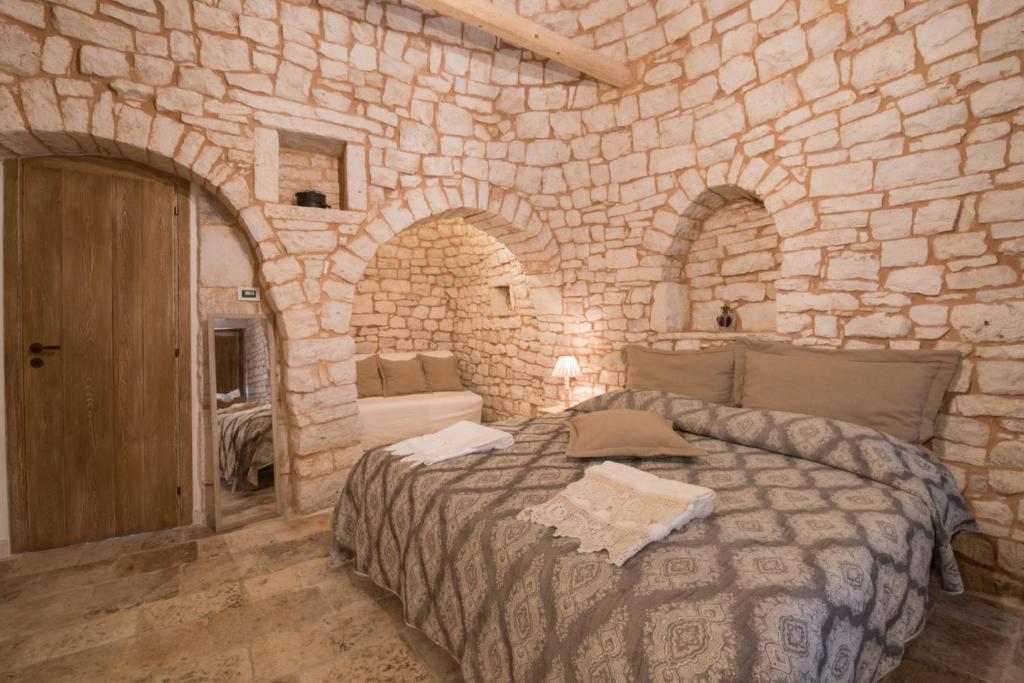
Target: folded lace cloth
(621,509)
(461,438)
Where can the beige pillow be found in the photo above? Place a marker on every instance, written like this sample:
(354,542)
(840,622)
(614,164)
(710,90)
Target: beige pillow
(626,434)
(442,373)
(705,374)
(368,380)
(403,377)
(897,392)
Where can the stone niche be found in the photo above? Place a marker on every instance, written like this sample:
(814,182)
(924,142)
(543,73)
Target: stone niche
(290,161)
(732,258)
(302,168)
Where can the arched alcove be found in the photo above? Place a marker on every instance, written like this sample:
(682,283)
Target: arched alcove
(733,259)
(447,284)
(725,252)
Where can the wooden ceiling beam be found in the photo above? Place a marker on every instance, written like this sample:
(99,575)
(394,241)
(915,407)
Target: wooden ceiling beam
(524,33)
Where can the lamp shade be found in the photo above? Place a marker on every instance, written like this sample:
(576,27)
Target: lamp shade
(566,366)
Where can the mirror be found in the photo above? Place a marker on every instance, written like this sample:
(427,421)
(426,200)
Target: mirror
(243,417)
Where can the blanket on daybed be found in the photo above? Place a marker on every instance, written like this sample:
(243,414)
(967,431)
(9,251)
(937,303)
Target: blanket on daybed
(814,566)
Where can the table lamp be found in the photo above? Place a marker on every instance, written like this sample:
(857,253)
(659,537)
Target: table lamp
(567,367)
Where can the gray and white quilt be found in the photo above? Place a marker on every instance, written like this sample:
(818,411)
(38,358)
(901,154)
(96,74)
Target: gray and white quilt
(246,442)
(814,565)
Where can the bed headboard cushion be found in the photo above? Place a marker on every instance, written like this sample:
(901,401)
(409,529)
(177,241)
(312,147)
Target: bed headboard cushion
(706,374)
(898,392)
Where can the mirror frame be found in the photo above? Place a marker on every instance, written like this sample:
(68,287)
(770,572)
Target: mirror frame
(213,444)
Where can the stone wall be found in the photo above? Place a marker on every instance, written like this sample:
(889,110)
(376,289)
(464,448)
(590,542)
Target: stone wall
(883,137)
(440,286)
(257,363)
(225,263)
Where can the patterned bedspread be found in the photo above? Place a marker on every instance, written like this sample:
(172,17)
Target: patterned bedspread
(814,565)
(246,443)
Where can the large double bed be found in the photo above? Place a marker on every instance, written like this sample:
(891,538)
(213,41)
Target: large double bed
(830,525)
(814,566)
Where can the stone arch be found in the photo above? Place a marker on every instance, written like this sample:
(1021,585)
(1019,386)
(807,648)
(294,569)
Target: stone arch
(505,217)
(502,214)
(32,124)
(700,209)
(759,179)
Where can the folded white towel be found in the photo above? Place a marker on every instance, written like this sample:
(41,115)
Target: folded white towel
(461,438)
(621,509)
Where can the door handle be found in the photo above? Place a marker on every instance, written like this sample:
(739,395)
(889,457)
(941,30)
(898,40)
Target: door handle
(36,347)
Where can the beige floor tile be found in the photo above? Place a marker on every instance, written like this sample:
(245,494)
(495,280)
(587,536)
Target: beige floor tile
(385,660)
(77,637)
(125,545)
(301,575)
(262,603)
(134,590)
(208,573)
(42,561)
(192,607)
(277,655)
(22,617)
(275,615)
(234,665)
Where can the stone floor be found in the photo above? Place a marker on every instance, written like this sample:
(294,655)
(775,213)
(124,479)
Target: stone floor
(260,603)
(238,508)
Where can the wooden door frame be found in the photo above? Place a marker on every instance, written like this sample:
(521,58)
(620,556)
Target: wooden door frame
(213,444)
(14,339)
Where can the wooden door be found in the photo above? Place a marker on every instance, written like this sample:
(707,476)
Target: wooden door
(94,279)
(230,357)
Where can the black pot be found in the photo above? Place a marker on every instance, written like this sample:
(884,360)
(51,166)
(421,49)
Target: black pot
(311,198)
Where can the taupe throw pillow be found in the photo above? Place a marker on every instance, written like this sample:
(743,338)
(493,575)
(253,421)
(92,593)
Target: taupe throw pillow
(368,380)
(403,377)
(627,434)
(897,392)
(706,374)
(442,373)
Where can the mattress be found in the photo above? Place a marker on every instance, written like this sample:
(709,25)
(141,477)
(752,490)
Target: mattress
(387,419)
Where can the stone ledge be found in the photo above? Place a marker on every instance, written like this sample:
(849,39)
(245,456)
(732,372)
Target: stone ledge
(719,336)
(350,220)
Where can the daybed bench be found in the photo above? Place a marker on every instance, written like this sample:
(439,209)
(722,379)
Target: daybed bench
(390,418)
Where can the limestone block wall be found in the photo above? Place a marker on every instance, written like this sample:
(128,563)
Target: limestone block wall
(434,287)
(875,133)
(225,262)
(257,363)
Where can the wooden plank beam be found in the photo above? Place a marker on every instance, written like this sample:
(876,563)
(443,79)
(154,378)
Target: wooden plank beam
(516,30)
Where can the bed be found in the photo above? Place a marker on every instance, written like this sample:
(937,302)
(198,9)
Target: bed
(815,564)
(246,443)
